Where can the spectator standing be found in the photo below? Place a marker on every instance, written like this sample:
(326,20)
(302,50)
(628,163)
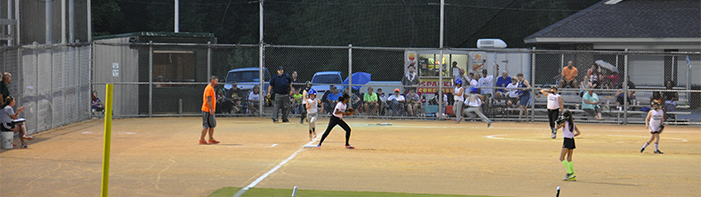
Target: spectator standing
(209,106)
(474,82)
(569,74)
(455,70)
(253,99)
(524,95)
(413,103)
(281,84)
(591,104)
(458,92)
(502,82)
(370,100)
(297,101)
(396,102)
(473,104)
(296,83)
(4,90)
(670,98)
(485,85)
(305,96)
(410,80)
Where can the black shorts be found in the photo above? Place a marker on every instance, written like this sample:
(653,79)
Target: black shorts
(7,126)
(568,143)
(659,130)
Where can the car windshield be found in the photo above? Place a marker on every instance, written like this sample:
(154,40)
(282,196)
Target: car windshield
(327,79)
(244,76)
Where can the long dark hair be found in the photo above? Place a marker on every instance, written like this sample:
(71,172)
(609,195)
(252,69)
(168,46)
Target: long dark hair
(341,98)
(567,115)
(7,101)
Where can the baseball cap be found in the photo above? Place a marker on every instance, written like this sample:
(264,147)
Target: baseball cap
(396,89)
(279,68)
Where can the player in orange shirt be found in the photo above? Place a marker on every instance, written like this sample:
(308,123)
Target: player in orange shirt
(209,104)
(569,74)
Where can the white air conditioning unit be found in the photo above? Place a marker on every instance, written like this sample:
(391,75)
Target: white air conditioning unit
(491,43)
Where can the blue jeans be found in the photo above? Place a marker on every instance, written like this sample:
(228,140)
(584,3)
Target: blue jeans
(396,106)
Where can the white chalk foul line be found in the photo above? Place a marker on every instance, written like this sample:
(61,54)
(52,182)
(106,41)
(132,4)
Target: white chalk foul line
(254,183)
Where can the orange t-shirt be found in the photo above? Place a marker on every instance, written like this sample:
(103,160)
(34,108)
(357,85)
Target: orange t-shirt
(209,91)
(568,73)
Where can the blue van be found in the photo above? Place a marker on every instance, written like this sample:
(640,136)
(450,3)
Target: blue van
(246,78)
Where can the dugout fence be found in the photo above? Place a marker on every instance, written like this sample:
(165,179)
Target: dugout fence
(167,79)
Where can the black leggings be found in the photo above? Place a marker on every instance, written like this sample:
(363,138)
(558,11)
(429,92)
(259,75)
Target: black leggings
(552,116)
(332,123)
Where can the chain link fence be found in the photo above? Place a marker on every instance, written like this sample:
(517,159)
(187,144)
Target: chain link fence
(52,83)
(168,79)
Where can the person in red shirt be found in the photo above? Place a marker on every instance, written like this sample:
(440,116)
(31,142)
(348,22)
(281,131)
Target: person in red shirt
(209,104)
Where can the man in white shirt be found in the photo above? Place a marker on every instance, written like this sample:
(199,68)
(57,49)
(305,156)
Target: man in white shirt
(485,84)
(396,102)
(512,89)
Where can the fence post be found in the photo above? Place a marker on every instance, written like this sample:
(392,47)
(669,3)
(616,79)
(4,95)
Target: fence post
(261,81)
(532,85)
(625,88)
(350,69)
(150,79)
(36,87)
(209,60)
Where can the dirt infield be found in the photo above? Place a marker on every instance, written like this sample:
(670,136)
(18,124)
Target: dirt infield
(161,157)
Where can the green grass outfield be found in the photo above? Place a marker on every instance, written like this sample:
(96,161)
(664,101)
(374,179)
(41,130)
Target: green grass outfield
(230,191)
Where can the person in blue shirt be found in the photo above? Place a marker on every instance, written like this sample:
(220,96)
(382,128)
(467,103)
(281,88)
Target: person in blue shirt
(280,86)
(502,82)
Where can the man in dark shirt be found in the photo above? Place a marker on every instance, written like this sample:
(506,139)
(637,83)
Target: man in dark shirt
(280,86)
(4,90)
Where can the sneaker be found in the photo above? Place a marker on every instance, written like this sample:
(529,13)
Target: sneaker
(23,146)
(274,121)
(318,146)
(572,178)
(350,147)
(641,150)
(658,152)
(213,141)
(285,121)
(569,177)
(489,124)
(203,142)
(553,135)
(28,137)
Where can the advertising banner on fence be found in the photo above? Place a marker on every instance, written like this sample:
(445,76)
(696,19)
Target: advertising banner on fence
(430,86)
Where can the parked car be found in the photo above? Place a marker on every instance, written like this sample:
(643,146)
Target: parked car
(321,81)
(246,78)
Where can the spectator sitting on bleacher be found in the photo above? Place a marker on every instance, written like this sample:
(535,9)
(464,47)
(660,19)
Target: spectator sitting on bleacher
(396,102)
(656,96)
(670,98)
(8,119)
(512,90)
(502,82)
(584,85)
(594,75)
(590,103)
(413,104)
(569,76)
(631,94)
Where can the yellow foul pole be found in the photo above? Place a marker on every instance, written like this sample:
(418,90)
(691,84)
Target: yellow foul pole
(108,139)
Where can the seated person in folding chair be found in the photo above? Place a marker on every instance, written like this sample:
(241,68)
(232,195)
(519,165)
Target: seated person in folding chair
(234,96)
(11,122)
(371,102)
(413,104)
(381,102)
(253,99)
(396,102)
(97,105)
